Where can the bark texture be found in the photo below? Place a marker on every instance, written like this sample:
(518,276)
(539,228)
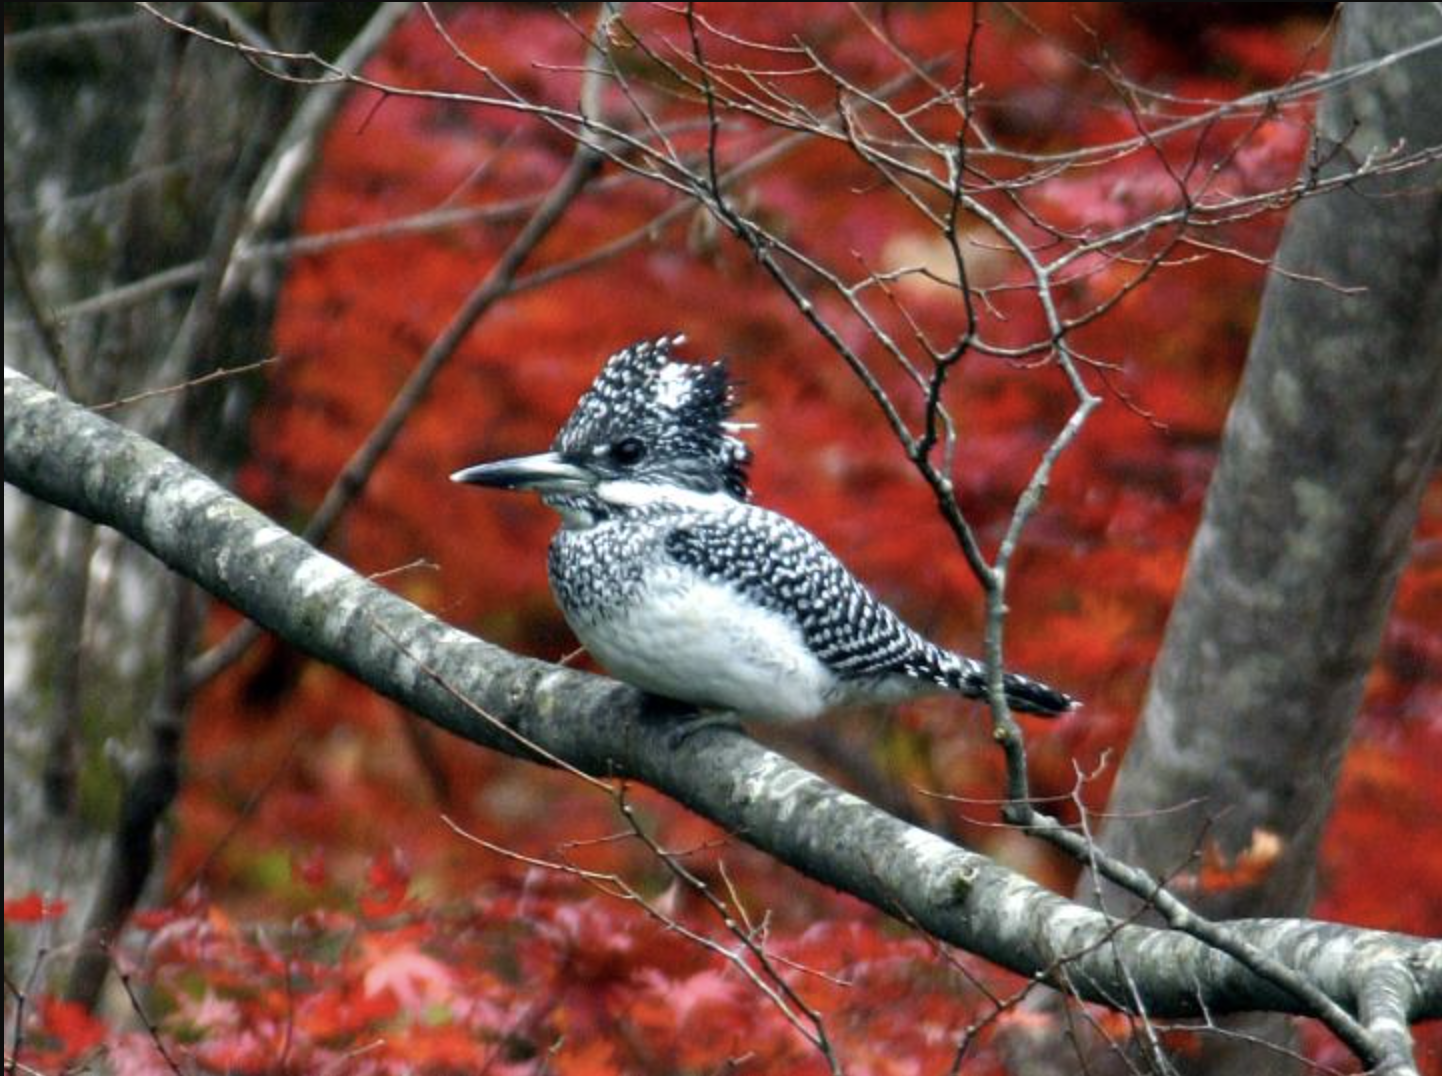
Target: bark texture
(1308,522)
(140,171)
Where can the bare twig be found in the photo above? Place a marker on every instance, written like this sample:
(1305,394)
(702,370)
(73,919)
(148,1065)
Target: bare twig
(151,1028)
(351,481)
(35,310)
(218,374)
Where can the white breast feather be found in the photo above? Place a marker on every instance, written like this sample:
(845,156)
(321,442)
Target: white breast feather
(691,639)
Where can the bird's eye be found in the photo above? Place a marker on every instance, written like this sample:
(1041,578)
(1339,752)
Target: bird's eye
(628,451)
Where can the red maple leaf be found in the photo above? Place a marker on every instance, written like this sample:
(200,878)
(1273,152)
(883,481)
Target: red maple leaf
(33,908)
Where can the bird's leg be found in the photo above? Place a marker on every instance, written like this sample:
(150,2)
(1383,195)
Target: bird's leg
(685,719)
(712,719)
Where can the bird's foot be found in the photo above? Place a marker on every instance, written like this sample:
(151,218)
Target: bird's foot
(688,728)
(684,720)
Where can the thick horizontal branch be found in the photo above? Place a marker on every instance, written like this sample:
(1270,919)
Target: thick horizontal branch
(68,456)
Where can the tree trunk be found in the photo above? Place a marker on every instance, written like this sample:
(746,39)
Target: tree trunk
(131,153)
(1308,521)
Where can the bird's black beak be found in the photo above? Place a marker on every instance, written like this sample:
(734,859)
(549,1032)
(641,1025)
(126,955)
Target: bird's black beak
(546,472)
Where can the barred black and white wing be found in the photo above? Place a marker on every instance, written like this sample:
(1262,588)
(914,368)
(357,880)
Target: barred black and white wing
(782,567)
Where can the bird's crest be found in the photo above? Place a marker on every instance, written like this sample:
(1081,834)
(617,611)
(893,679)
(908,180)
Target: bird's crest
(679,410)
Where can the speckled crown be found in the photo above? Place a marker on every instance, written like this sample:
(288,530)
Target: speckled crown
(680,410)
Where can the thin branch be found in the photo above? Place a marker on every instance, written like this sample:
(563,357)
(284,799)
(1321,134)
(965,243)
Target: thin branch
(295,150)
(218,374)
(40,317)
(151,1028)
(805,1020)
(352,480)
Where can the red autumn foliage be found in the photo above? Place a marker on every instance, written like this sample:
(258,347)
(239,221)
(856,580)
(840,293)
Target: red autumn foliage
(63,1032)
(33,908)
(336,923)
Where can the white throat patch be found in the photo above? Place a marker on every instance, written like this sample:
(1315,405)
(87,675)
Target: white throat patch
(632,494)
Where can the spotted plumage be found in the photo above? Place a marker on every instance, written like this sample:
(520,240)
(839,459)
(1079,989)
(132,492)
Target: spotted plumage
(680,586)
(679,411)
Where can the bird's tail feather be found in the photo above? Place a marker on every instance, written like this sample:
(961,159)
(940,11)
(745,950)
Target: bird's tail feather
(1033,697)
(1023,694)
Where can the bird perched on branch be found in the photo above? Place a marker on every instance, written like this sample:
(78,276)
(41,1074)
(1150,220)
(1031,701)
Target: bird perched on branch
(679,586)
